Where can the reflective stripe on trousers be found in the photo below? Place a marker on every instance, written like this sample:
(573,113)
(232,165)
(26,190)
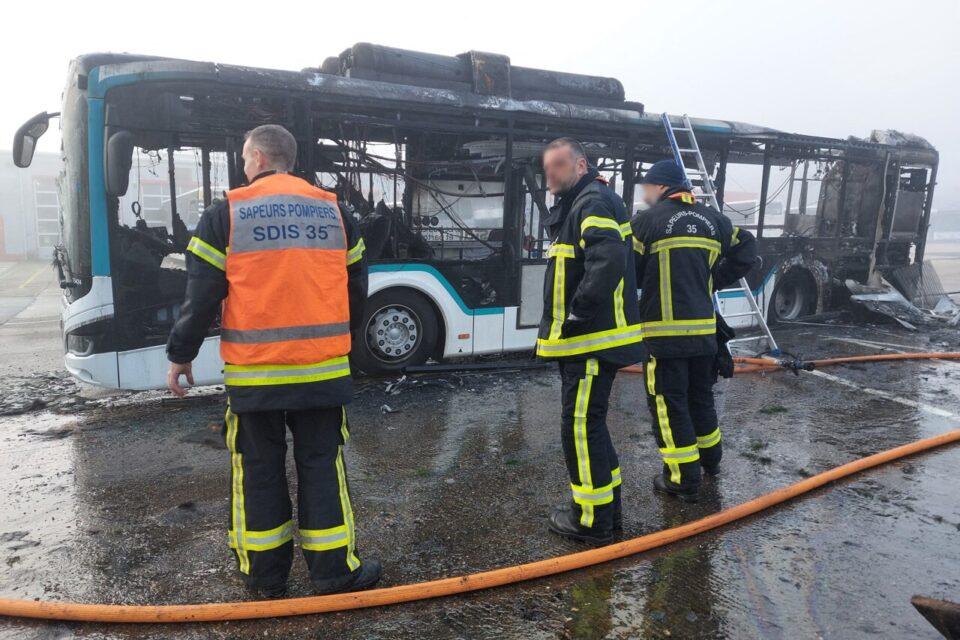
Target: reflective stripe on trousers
(673,456)
(238,519)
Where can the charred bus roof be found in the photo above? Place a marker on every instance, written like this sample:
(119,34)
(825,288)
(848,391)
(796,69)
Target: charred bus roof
(481,84)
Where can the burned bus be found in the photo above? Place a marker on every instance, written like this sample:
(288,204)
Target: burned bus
(438,159)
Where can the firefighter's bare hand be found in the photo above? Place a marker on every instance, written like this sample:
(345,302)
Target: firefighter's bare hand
(173,377)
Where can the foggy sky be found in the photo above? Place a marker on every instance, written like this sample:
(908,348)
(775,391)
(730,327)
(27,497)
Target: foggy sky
(833,68)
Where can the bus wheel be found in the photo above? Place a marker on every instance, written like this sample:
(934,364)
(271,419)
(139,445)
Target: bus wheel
(794,296)
(400,328)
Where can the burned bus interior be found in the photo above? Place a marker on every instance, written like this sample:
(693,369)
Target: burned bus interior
(438,177)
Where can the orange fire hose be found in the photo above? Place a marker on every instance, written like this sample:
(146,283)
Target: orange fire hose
(448,586)
(752,365)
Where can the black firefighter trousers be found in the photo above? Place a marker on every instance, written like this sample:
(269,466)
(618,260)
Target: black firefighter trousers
(261,525)
(589,453)
(680,397)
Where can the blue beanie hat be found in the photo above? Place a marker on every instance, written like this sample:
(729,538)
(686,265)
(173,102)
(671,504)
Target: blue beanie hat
(666,173)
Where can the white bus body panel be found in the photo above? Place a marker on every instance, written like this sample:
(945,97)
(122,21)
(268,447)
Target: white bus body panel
(456,319)
(142,369)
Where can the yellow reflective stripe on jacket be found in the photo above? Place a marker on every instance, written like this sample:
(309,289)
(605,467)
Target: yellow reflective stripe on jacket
(666,286)
(324,539)
(637,245)
(735,237)
(589,342)
(356,253)
(709,440)
(561,251)
(559,312)
(625,230)
(617,478)
(662,328)
(263,540)
(207,253)
(685,242)
(618,314)
(267,374)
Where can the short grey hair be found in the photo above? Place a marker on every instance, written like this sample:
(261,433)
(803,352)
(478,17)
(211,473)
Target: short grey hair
(574,145)
(276,143)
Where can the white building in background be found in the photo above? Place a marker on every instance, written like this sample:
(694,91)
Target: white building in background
(29,207)
(29,201)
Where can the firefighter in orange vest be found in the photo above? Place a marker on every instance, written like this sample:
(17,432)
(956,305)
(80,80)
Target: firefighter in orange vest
(289,271)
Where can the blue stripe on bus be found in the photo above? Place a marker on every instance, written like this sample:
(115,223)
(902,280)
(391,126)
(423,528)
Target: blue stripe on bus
(393,268)
(97,196)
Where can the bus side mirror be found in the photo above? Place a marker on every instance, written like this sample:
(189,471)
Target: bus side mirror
(117,162)
(25,140)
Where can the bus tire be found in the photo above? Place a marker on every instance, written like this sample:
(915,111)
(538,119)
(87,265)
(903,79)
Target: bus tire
(400,328)
(794,296)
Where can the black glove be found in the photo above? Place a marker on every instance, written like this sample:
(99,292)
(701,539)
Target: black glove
(723,363)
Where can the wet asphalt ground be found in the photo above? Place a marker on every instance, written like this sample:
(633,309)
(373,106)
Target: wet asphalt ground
(125,501)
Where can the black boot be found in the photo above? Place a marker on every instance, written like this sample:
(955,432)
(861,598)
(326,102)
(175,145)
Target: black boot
(363,578)
(564,521)
(268,593)
(663,485)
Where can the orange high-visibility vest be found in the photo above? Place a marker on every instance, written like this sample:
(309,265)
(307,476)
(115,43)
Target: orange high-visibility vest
(286,318)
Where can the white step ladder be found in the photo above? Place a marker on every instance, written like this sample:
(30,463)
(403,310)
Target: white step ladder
(709,196)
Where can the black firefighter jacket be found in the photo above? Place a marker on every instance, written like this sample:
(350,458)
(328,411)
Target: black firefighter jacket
(590,291)
(685,251)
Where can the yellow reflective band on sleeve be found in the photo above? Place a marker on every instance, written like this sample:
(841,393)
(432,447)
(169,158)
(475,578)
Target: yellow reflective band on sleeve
(589,342)
(600,223)
(263,540)
(625,230)
(680,455)
(735,237)
(617,479)
(618,314)
(637,245)
(269,374)
(665,328)
(709,440)
(685,242)
(207,253)
(356,253)
(666,287)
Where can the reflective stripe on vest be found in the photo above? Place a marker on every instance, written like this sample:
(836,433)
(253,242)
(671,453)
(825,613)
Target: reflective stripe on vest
(267,374)
(287,310)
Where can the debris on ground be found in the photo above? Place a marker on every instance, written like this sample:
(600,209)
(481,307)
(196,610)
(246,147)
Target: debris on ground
(888,301)
(57,392)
